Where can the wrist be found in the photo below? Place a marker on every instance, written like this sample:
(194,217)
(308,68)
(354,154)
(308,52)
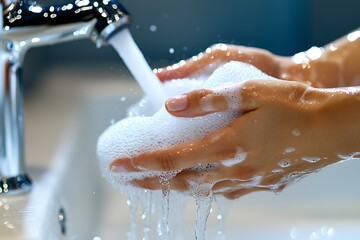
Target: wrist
(338,119)
(320,73)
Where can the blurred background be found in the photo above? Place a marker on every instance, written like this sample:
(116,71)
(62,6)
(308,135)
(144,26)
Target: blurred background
(171,30)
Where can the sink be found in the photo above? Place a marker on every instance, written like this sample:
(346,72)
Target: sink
(71,200)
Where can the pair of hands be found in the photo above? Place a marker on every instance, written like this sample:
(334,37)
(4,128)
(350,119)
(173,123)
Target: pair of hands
(287,128)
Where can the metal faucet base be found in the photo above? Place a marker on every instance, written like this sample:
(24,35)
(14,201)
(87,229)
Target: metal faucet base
(15,185)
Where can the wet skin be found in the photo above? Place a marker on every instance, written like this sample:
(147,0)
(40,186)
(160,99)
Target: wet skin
(315,103)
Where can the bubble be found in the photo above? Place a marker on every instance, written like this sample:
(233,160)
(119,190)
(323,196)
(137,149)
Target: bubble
(353,36)
(153,28)
(354,155)
(330,232)
(311,159)
(171,50)
(285,163)
(289,149)
(295,132)
(239,157)
(314,53)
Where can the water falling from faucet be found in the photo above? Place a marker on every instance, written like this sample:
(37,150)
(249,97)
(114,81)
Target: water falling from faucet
(125,45)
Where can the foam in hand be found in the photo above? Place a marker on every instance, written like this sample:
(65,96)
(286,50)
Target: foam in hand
(136,135)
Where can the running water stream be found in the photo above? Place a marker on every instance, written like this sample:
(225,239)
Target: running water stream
(154,90)
(126,47)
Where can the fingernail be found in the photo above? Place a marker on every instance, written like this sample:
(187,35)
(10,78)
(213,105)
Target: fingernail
(117,168)
(177,103)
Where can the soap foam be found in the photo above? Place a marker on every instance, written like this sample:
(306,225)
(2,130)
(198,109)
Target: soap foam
(239,157)
(135,135)
(144,132)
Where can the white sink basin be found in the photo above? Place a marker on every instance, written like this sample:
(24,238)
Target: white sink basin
(322,206)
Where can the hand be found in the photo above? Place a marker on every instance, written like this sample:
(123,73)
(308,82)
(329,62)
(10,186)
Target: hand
(286,130)
(334,65)
(208,61)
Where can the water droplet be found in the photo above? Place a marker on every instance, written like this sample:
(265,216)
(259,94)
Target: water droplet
(295,132)
(311,159)
(353,36)
(284,163)
(294,232)
(289,149)
(330,232)
(314,53)
(171,50)
(153,28)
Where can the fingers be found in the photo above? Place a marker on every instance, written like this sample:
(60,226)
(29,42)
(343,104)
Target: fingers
(205,101)
(239,97)
(208,150)
(204,62)
(217,54)
(184,180)
(196,103)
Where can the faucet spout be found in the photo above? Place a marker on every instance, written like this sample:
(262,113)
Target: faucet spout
(110,15)
(30,23)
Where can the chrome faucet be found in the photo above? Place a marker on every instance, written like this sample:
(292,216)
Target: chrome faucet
(26,24)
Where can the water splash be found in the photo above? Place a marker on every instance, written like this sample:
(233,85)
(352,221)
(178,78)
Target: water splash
(203,206)
(164,179)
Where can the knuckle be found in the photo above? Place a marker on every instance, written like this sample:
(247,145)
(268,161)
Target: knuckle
(196,96)
(199,99)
